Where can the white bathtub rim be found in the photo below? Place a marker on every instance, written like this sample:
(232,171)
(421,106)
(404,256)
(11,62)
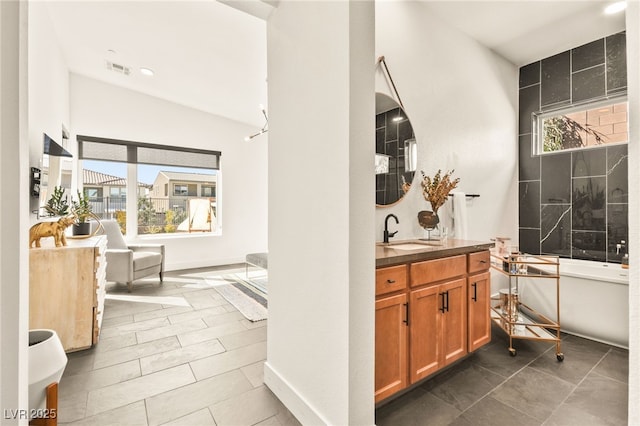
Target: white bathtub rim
(616,274)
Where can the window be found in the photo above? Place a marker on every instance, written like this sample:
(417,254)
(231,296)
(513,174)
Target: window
(93,193)
(177,173)
(583,126)
(208,191)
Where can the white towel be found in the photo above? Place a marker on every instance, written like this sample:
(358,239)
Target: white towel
(459,214)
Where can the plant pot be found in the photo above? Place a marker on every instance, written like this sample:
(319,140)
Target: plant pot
(47,361)
(81,228)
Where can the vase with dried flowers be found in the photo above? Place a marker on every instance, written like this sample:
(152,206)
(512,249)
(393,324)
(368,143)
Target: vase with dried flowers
(435,190)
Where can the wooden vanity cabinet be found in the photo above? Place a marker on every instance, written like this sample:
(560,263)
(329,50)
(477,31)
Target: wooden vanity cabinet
(429,314)
(438,315)
(479,300)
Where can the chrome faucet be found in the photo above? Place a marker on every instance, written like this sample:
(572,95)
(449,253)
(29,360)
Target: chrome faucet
(388,234)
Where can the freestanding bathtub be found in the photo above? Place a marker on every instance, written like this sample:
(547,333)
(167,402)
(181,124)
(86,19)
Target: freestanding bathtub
(594,300)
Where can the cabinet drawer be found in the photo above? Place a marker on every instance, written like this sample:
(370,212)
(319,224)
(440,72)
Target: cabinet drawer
(437,270)
(479,261)
(391,279)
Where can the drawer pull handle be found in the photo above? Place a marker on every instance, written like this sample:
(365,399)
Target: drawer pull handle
(391,281)
(406,313)
(442,308)
(475,292)
(483,261)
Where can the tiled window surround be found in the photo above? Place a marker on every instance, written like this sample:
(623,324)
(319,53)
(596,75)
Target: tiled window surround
(573,204)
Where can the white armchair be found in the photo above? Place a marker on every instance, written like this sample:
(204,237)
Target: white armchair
(126,263)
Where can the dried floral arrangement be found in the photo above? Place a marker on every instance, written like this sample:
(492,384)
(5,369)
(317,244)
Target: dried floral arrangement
(436,189)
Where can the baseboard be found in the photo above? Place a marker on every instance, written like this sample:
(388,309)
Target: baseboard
(195,264)
(298,406)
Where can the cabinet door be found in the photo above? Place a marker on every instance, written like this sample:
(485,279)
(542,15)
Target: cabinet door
(478,299)
(425,306)
(454,321)
(391,346)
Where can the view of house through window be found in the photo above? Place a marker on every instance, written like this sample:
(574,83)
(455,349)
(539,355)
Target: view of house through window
(582,127)
(170,199)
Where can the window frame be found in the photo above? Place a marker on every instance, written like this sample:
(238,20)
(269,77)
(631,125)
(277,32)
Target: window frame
(538,118)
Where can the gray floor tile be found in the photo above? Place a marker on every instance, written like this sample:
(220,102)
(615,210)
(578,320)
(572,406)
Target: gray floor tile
(134,326)
(115,321)
(534,392)
(196,314)
(568,415)
(422,409)
(129,415)
(117,356)
(71,406)
(615,365)
(491,412)
(170,330)
(248,408)
(601,397)
(183,355)
(162,313)
(111,343)
(223,318)
(254,373)
(247,337)
(99,378)
(210,333)
(230,360)
(121,394)
(464,385)
(179,402)
(200,418)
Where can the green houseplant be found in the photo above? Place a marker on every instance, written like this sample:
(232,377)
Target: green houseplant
(82,210)
(57,204)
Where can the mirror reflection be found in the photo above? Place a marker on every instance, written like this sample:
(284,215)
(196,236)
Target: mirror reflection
(396,151)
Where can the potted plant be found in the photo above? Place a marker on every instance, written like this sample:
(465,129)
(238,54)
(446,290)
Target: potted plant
(57,204)
(81,209)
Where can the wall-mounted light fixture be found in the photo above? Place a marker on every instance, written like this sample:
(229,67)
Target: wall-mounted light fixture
(264,128)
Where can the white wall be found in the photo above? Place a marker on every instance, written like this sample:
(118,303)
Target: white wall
(633,79)
(321,210)
(461,99)
(104,110)
(14,255)
(48,87)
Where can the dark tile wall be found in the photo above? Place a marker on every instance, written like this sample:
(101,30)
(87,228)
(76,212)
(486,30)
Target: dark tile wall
(390,137)
(574,203)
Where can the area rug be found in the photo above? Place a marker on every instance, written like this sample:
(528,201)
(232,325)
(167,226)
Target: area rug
(247,295)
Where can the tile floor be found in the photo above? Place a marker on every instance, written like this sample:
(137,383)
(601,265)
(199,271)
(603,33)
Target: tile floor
(492,388)
(176,354)
(191,358)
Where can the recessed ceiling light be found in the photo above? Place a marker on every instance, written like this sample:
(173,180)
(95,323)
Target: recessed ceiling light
(615,7)
(146,71)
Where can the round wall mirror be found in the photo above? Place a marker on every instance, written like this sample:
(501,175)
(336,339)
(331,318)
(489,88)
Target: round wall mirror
(396,151)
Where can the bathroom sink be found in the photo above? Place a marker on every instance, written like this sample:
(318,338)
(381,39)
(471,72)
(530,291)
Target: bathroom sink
(410,245)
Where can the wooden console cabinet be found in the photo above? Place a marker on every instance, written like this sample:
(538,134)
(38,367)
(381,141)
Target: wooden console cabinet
(429,314)
(67,290)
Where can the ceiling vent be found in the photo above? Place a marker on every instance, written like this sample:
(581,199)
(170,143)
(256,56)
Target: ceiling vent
(121,69)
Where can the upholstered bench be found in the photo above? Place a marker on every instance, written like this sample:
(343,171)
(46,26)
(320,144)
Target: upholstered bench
(256,259)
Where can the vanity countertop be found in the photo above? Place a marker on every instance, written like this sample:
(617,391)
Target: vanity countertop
(405,251)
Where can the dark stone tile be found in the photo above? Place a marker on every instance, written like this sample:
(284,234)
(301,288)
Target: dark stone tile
(587,55)
(588,84)
(529,240)
(589,162)
(556,79)
(556,178)
(391,126)
(380,197)
(380,141)
(555,229)
(601,397)
(420,409)
(617,174)
(405,131)
(464,384)
(581,356)
(530,74)
(391,149)
(589,204)
(568,415)
(491,412)
(529,204)
(529,164)
(617,231)
(529,103)
(496,357)
(589,245)
(533,393)
(616,57)
(615,365)
(380,120)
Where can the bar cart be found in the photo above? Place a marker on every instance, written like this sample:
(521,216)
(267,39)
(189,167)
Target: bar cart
(509,312)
